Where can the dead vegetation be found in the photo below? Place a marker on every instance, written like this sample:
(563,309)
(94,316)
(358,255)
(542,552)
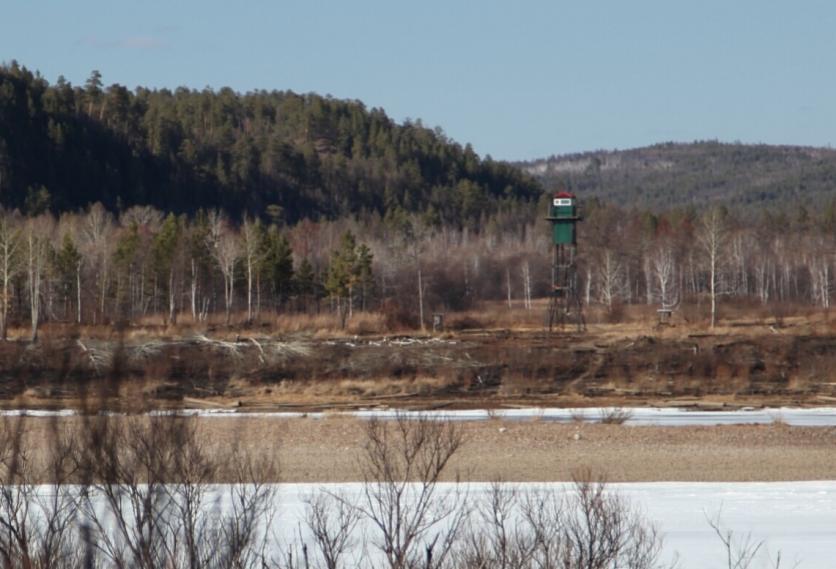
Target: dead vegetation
(614,415)
(743,361)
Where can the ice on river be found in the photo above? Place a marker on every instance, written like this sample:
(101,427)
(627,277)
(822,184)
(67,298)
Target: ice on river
(660,416)
(795,519)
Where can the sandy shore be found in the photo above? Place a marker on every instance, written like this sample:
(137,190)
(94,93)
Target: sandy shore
(327,450)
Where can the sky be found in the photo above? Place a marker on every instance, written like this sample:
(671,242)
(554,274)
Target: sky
(517,79)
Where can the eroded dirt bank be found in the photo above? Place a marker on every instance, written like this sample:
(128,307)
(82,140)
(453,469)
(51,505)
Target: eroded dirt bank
(484,369)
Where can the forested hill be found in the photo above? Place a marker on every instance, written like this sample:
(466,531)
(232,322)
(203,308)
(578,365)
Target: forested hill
(670,175)
(273,153)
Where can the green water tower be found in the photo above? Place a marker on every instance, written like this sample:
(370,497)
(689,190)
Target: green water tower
(563,213)
(565,303)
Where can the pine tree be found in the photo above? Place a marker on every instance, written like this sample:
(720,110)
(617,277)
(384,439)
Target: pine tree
(163,251)
(340,279)
(66,264)
(363,272)
(278,265)
(350,268)
(305,282)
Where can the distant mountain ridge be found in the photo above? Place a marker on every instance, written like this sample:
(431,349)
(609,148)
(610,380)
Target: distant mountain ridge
(675,175)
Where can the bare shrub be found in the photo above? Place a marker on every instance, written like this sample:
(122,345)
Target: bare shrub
(602,530)
(590,527)
(148,505)
(465,322)
(504,540)
(37,524)
(332,520)
(396,316)
(614,415)
(740,551)
(413,524)
(616,313)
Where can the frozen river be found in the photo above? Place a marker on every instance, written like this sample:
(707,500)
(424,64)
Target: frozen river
(659,416)
(797,519)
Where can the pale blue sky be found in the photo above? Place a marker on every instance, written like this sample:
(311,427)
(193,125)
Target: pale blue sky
(517,79)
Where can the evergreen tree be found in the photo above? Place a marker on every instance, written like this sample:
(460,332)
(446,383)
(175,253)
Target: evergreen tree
(364,273)
(305,283)
(163,251)
(66,265)
(124,261)
(350,268)
(278,264)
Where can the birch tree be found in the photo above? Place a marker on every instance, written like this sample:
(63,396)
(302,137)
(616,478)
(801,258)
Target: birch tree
(252,241)
(526,278)
(610,273)
(10,263)
(663,267)
(38,233)
(711,238)
(225,247)
(98,242)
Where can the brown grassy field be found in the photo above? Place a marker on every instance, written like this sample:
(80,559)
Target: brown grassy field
(624,320)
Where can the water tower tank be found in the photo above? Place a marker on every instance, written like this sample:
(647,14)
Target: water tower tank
(563,213)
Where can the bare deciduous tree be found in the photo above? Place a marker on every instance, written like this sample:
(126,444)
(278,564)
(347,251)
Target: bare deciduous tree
(332,520)
(589,527)
(253,254)
(97,239)
(148,504)
(663,266)
(37,235)
(610,273)
(712,240)
(225,246)
(37,527)
(10,263)
(403,460)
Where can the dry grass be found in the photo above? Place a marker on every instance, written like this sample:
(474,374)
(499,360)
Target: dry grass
(633,321)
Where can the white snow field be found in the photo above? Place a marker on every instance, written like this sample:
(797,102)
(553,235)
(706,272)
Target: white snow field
(795,519)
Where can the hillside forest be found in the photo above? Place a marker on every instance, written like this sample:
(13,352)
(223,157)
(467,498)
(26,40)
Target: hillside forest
(747,177)
(124,207)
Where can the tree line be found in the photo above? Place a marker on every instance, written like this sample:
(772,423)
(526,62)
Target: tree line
(276,155)
(93,267)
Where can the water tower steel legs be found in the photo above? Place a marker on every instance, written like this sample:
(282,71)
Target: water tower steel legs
(565,304)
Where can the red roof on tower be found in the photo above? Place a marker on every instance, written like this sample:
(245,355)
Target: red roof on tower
(564,195)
